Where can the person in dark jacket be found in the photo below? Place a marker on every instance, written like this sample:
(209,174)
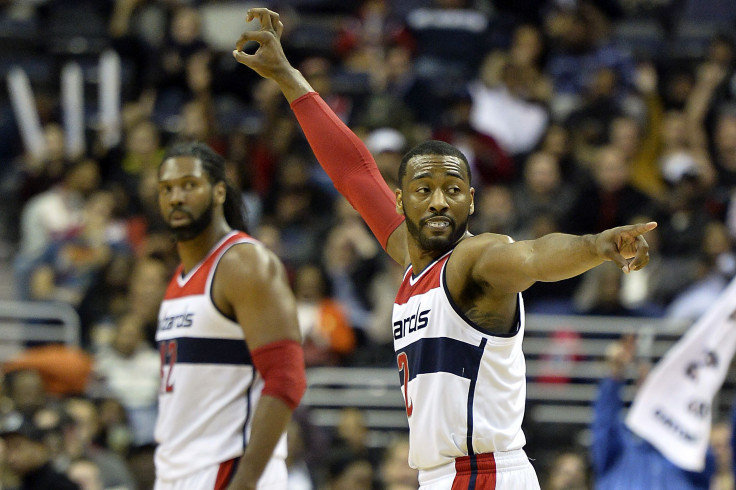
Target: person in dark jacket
(28,456)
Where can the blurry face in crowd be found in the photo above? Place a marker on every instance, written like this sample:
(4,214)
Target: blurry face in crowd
(27,391)
(611,171)
(542,173)
(436,199)
(23,454)
(185,197)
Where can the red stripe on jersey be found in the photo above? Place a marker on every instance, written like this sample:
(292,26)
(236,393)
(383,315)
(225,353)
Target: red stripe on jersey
(429,279)
(224,474)
(484,473)
(196,283)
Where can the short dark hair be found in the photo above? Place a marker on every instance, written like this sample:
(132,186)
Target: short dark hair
(214,165)
(432,147)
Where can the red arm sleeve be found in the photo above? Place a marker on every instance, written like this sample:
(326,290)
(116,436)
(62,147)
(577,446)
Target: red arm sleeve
(349,164)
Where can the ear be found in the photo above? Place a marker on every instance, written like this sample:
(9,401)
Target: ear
(399,202)
(472,200)
(220,192)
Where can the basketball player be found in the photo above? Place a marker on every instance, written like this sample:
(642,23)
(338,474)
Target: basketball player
(458,318)
(232,368)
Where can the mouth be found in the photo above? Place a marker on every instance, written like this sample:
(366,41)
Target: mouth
(438,223)
(178,217)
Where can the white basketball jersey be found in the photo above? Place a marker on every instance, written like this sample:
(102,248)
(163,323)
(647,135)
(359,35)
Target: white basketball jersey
(209,386)
(464,389)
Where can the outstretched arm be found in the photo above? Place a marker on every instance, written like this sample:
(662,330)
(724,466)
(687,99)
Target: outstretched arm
(340,152)
(511,266)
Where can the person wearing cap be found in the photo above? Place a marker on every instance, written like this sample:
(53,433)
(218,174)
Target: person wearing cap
(28,456)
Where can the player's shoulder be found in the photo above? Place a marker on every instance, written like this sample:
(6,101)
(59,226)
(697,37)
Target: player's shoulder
(482,241)
(251,261)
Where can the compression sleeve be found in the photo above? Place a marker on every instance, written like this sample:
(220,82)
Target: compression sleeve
(349,164)
(281,365)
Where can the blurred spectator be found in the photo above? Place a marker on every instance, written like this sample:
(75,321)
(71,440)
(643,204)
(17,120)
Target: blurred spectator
(182,44)
(715,266)
(327,336)
(80,442)
(609,200)
(148,282)
(300,476)
(620,459)
(395,472)
(568,471)
(351,438)
(349,472)
(489,163)
(26,391)
(440,34)
(85,473)
(579,49)
(140,154)
(600,293)
(506,104)
(720,441)
(495,211)
(541,193)
(67,267)
(351,259)
(28,456)
(387,145)
(128,369)
(53,214)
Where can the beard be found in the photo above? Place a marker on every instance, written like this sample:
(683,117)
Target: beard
(195,226)
(436,243)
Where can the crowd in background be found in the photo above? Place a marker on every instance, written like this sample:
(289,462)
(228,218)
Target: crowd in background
(576,116)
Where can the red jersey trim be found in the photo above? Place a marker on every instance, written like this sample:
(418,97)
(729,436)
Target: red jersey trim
(197,280)
(427,280)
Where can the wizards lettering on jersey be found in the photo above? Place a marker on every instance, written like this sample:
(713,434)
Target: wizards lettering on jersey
(176,321)
(411,324)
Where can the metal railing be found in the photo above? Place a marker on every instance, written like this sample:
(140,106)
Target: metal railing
(565,362)
(22,322)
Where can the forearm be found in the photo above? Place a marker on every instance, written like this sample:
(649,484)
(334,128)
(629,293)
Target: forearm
(559,256)
(269,423)
(349,164)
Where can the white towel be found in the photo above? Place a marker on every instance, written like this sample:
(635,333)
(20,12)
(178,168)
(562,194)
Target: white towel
(672,409)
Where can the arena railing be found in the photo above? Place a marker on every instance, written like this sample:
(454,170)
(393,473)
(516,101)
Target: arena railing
(24,322)
(565,359)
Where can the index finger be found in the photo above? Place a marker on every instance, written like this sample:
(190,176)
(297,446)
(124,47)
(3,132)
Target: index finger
(268,19)
(639,228)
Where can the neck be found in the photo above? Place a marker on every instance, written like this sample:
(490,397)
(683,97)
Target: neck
(420,258)
(191,252)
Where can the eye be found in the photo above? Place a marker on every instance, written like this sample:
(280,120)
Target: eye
(164,189)
(189,185)
(453,189)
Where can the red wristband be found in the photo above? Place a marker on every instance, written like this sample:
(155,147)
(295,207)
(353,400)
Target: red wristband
(281,365)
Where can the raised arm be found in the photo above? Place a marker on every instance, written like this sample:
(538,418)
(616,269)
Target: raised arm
(509,267)
(340,152)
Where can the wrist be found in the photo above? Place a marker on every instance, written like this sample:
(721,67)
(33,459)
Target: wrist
(292,83)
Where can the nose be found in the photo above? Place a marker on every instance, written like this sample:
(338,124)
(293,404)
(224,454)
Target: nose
(176,196)
(438,203)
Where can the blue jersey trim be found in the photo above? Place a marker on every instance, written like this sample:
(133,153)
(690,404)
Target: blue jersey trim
(442,355)
(196,350)
(471,323)
(471,397)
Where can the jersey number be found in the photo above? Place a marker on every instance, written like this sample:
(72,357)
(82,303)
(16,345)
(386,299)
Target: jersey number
(168,359)
(403,363)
